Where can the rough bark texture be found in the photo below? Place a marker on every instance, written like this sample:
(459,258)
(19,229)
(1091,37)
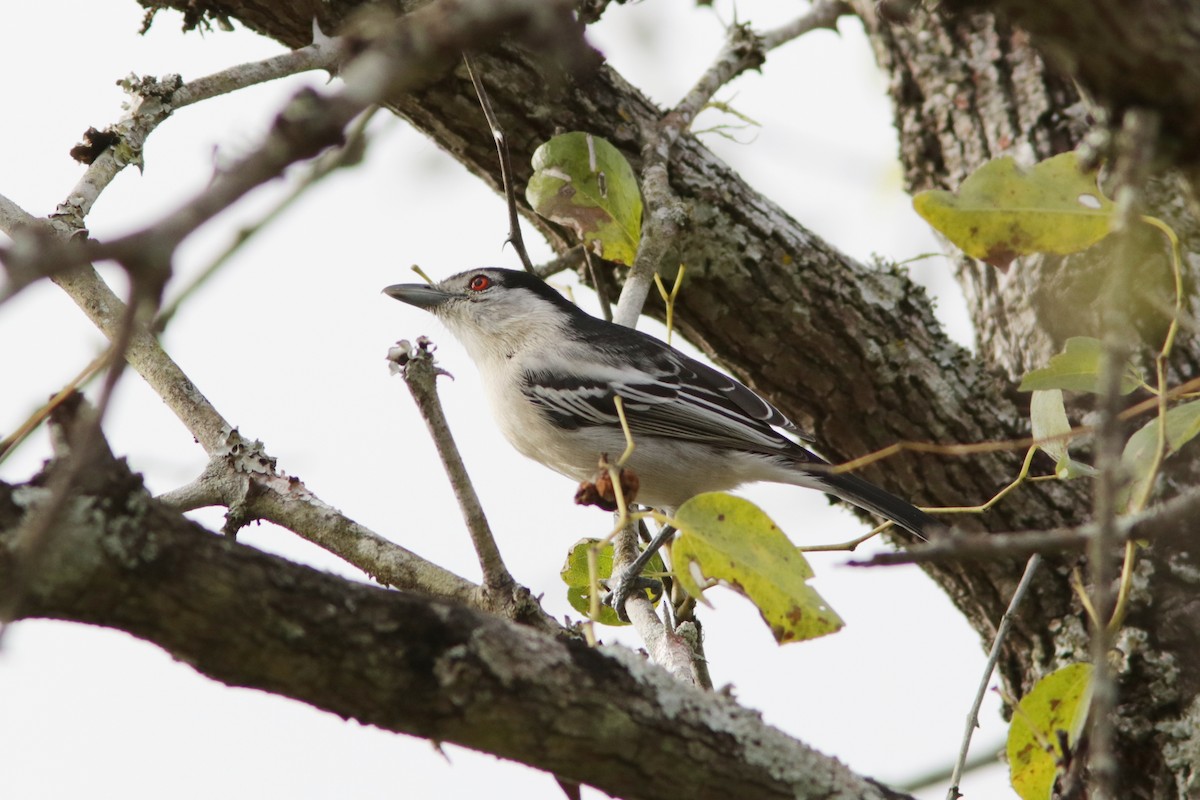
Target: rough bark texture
(398,661)
(874,367)
(966,89)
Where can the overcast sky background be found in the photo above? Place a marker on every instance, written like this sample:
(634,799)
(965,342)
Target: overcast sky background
(289,341)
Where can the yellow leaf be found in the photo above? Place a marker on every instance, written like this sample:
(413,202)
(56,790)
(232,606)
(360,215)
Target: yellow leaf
(1002,211)
(726,538)
(1052,713)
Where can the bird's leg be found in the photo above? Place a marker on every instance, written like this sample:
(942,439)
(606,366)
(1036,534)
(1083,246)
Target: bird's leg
(630,580)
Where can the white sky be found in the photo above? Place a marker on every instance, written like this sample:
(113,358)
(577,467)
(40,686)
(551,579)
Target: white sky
(289,343)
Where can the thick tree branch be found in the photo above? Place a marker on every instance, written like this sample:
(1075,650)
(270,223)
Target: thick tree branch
(395,660)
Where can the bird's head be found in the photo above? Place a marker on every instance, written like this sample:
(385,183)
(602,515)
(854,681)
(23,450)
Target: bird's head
(491,311)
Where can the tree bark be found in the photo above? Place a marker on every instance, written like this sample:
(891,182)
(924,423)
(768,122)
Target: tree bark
(968,88)
(854,350)
(396,660)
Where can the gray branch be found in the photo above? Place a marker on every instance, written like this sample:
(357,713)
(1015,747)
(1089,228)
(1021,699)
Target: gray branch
(402,662)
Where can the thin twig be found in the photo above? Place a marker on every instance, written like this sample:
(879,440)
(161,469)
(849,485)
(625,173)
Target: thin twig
(1002,629)
(1134,146)
(569,260)
(664,214)
(822,14)
(153,101)
(10,443)
(514,222)
(601,291)
(1109,440)
(346,154)
(420,376)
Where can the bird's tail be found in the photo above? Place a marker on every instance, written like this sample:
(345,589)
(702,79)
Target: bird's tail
(870,497)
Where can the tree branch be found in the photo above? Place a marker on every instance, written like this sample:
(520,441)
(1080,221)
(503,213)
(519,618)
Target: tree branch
(401,662)
(420,375)
(664,214)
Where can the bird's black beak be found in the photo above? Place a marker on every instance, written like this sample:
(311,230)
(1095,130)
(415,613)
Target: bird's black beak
(420,295)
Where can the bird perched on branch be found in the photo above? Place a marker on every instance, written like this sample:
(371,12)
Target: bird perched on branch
(552,371)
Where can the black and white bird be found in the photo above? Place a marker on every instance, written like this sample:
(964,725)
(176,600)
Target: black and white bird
(551,372)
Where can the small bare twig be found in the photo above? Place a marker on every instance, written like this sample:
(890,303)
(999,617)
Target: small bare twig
(154,101)
(664,215)
(1002,629)
(569,260)
(333,159)
(601,292)
(822,14)
(14,439)
(420,374)
(514,222)
(1162,523)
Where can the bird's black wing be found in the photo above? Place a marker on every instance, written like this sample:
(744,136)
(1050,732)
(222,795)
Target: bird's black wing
(664,393)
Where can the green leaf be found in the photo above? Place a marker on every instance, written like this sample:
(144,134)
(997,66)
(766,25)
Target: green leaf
(1048,416)
(722,537)
(1077,368)
(575,575)
(583,182)
(1002,211)
(1183,423)
(1057,703)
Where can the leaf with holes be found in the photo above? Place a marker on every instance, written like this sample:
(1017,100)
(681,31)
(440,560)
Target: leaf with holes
(728,539)
(1050,717)
(583,182)
(1002,211)
(579,590)
(1077,369)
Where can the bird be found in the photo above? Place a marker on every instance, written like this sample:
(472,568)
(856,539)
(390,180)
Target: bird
(551,373)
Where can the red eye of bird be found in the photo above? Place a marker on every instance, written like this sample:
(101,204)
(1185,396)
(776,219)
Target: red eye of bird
(479,283)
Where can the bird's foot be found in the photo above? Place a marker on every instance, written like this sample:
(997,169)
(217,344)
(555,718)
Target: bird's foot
(624,585)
